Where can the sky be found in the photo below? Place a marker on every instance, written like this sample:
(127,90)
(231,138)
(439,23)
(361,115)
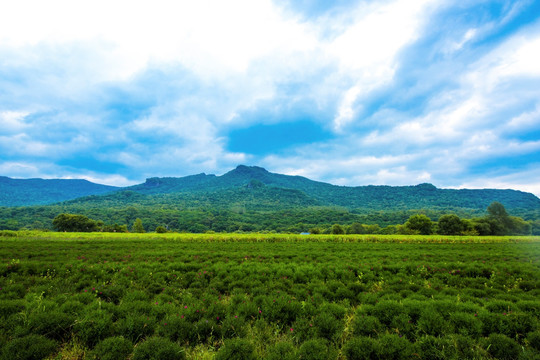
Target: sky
(389,92)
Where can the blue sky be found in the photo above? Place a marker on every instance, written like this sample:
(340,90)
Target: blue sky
(348,92)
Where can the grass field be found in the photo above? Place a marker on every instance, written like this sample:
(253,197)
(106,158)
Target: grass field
(133,296)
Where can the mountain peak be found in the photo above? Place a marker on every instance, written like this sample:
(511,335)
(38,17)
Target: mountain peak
(244,169)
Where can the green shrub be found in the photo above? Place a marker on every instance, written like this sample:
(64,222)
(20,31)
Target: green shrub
(465,347)
(502,347)
(176,329)
(53,324)
(233,327)
(517,325)
(466,324)
(9,307)
(327,326)
(31,347)
(430,347)
(533,338)
(135,327)
(281,351)
(161,229)
(93,327)
(315,349)
(359,348)
(236,349)
(205,329)
(366,325)
(158,348)
(391,346)
(432,323)
(112,348)
(303,330)
(386,311)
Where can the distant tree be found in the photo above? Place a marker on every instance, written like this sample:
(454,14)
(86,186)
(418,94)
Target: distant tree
(161,229)
(372,229)
(138,226)
(315,230)
(518,226)
(450,224)
(497,210)
(535,227)
(355,228)
(420,223)
(337,229)
(74,223)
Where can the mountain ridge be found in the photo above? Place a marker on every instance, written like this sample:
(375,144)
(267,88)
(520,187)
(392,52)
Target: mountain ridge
(245,186)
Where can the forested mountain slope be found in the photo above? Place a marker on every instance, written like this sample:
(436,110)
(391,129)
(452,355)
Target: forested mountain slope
(22,192)
(254,188)
(234,184)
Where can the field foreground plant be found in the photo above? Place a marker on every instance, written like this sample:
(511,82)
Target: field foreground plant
(268,296)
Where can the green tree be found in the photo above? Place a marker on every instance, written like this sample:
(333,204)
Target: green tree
(499,219)
(74,222)
(337,229)
(161,229)
(138,226)
(450,224)
(420,223)
(355,228)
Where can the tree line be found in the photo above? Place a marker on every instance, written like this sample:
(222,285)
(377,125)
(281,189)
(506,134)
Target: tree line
(496,222)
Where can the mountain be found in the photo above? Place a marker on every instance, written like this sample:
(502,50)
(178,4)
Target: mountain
(255,188)
(247,198)
(23,192)
(213,189)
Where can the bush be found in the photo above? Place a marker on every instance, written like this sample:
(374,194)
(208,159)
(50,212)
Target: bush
(534,339)
(161,229)
(54,324)
(466,324)
(502,347)
(432,323)
(465,346)
(327,326)
(315,349)
(135,327)
(236,349)
(31,347)
(281,351)
(359,348)
(93,327)
(430,347)
(386,311)
(391,346)
(177,329)
(204,329)
(233,327)
(112,348)
(158,348)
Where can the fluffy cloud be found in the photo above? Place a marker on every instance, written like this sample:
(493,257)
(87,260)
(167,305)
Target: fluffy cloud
(405,91)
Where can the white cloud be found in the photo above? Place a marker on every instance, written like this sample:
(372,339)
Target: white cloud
(524,180)
(12,121)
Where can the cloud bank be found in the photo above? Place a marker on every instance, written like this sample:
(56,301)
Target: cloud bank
(349,92)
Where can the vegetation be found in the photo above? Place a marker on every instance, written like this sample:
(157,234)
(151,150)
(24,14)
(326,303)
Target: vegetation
(22,192)
(268,296)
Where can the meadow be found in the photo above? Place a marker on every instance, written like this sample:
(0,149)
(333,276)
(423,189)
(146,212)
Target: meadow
(268,296)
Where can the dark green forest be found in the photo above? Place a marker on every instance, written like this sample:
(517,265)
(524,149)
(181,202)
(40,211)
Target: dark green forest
(251,199)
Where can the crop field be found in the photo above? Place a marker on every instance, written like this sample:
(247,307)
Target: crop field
(257,296)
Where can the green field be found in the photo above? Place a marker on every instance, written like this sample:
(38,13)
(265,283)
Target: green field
(114,296)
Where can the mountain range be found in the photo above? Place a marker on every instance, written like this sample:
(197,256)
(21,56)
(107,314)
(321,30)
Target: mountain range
(255,188)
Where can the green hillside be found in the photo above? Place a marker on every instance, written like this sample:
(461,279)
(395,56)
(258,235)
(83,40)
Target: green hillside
(253,199)
(234,186)
(22,192)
